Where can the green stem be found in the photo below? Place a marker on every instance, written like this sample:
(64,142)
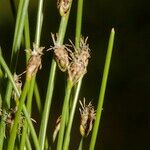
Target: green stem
(39,22)
(22,9)
(31,127)
(13,133)
(81,144)
(79,23)
(17,28)
(102,90)
(64,113)
(29,103)
(37,98)
(47,105)
(2,129)
(28,144)
(33,133)
(78,87)
(75,100)
(23,6)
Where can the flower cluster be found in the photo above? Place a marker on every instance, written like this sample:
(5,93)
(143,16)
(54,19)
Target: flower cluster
(87,114)
(34,63)
(60,54)
(71,59)
(64,6)
(80,57)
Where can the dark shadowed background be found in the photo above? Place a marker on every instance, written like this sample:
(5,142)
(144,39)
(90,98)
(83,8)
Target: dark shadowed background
(125,123)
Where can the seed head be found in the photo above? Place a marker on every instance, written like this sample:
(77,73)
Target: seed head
(87,114)
(79,61)
(64,6)
(34,63)
(60,54)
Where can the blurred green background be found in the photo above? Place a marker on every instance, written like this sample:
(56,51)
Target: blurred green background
(125,123)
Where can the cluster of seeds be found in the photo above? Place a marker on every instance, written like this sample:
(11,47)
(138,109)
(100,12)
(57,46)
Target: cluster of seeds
(60,54)
(79,63)
(63,6)
(34,63)
(87,114)
(74,61)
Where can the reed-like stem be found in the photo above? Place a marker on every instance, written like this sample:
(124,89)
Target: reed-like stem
(37,98)
(33,133)
(29,100)
(13,132)
(102,90)
(81,144)
(71,116)
(2,130)
(64,113)
(50,88)
(79,23)
(76,88)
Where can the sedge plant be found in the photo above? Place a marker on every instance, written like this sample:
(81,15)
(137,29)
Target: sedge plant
(16,97)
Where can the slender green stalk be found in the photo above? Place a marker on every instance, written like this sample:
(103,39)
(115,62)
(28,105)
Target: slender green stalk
(27,33)
(47,105)
(29,103)
(102,90)
(75,100)
(31,127)
(39,22)
(81,144)
(28,144)
(13,132)
(22,11)
(37,98)
(77,88)
(79,23)
(17,28)
(33,133)
(64,113)
(49,94)
(2,130)
(5,67)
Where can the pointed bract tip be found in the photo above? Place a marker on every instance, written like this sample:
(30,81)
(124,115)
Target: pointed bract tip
(112,30)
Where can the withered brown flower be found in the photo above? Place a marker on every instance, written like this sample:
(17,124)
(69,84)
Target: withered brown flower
(34,62)
(79,61)
(63,6)
(60,54)
(87,114)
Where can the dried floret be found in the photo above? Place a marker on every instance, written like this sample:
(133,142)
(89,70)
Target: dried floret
(79,61)
(61,55)
(63,6)
(87,114)
(34,63)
